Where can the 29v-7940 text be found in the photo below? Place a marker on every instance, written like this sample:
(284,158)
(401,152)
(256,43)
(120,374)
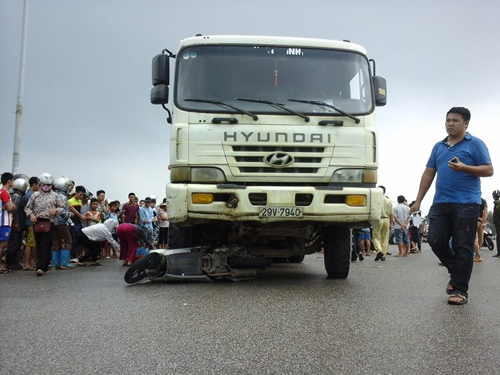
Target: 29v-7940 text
(280,212)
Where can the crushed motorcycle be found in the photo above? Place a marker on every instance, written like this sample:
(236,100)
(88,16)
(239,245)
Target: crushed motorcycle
(202,263)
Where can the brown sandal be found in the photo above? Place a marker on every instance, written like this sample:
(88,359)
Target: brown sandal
(460,298)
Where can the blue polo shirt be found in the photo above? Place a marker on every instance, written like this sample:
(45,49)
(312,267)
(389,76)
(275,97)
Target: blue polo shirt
(458,187)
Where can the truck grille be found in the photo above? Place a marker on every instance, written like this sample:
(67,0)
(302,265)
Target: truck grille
(250,159)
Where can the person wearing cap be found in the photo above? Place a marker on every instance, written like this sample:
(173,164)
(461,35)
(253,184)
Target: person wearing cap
(382,229)
(163,222)
(42,207)
(401,214)
(146,215)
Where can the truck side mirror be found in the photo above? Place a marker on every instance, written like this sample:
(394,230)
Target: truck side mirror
(161,70)
(159,94)
(380,88)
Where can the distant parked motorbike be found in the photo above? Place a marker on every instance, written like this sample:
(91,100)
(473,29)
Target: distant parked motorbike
(487,238)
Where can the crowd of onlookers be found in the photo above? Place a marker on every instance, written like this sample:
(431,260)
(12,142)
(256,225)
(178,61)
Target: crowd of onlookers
(405,230)
(49,223)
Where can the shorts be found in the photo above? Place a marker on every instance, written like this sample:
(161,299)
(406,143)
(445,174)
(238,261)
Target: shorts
(364,236)
(163,235)
(5,233)
(30,237)
(402,236)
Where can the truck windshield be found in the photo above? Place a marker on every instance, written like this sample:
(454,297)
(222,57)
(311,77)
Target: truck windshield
(272,74)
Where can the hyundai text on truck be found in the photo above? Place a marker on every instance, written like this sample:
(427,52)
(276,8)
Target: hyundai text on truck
(273,145)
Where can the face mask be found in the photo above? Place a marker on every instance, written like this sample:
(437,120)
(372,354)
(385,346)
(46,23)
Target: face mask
(46,188)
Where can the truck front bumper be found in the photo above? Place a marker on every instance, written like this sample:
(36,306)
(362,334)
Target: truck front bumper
(243,203)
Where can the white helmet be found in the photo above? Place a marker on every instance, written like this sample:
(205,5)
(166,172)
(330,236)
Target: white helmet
(20,175)
(46,178)
(62,183)
(20,184)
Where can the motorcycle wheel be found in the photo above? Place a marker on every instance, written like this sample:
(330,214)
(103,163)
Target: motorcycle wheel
(489,243)
(139,270)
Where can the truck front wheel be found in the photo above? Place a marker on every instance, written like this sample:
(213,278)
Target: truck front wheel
(179,237)
(337,252)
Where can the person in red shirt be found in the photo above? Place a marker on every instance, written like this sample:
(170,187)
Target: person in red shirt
(130,210)
(6,210)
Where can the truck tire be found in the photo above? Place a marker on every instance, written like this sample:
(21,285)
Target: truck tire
(337,252)
(296,258)
(179,237)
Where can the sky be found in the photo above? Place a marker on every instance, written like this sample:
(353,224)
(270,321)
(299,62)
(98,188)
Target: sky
(86,109)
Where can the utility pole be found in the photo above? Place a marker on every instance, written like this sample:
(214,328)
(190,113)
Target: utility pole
(20,91)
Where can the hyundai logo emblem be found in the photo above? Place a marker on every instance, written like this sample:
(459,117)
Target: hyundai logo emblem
(278,160)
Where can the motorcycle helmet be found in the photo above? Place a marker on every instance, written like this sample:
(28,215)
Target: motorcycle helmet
(20,184)
(20,175)
(496,194)
(45,181)
(62,183)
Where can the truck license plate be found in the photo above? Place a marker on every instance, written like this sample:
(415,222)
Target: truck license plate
(280,212)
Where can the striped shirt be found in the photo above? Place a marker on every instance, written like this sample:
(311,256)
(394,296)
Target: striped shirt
(6,217)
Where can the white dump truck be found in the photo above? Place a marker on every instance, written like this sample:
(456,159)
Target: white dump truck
(273,145)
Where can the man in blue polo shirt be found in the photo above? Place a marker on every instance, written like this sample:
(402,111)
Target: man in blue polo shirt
(459,161)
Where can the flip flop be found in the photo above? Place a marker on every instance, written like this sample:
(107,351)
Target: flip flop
(5,271)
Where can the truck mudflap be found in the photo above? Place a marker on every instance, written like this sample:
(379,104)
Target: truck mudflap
(200,263)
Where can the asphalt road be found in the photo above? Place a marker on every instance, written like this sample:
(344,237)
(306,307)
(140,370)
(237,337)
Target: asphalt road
(385,318)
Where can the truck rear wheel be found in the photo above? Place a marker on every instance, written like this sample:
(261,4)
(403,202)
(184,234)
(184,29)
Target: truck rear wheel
(179,237)
(337,252)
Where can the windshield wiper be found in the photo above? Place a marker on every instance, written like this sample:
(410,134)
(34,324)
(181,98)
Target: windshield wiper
(276,105)
(219,103)
(323,104)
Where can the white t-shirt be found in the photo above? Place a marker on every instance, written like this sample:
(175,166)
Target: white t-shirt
(401,211)
(416,219)
(163,223)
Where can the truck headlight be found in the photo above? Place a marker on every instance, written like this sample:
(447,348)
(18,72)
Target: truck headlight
(204,175)
(180,174)
(355,176)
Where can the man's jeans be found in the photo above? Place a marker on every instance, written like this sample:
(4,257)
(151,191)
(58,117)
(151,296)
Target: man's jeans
(74,231)
(458,222)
